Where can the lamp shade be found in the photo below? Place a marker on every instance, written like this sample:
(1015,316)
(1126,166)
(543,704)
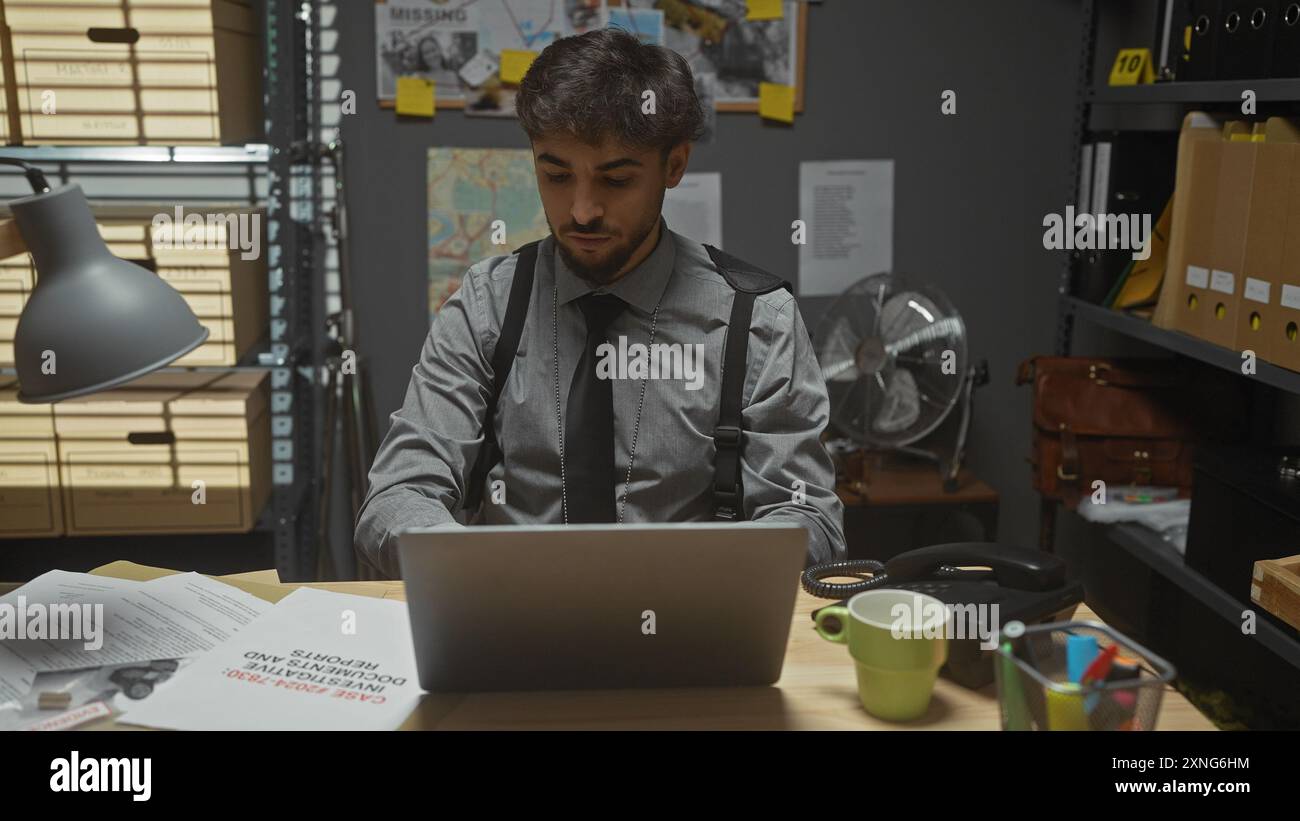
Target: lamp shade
(93,321)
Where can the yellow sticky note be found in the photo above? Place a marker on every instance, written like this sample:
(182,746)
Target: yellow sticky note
(776,102)
(415,97)
(764,10)
(514,64)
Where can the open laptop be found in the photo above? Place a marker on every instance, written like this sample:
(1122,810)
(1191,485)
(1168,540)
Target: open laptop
(601,606)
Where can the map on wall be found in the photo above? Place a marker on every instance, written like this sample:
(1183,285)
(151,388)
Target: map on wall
(470,188)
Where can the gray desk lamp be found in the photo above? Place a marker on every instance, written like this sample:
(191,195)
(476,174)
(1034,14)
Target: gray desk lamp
(93,321)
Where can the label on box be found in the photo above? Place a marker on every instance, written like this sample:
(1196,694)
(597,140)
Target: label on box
(1291,296)
(1198,277)
(1223,281)
(1256,290)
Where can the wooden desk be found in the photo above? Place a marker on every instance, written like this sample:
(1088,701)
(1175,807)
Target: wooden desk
(817,691)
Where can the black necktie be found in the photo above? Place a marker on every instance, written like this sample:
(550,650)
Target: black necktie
(589,422)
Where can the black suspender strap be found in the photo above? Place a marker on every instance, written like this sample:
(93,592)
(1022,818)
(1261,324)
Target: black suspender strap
(512,327)
(728,436)
(748,281)
(503,359)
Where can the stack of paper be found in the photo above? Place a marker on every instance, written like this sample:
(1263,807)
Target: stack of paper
(117,628)
(186,651)
(317,660)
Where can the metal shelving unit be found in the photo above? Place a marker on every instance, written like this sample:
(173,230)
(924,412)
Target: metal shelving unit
(1155,96)
(255,153)
(292,350)
(1160,106)
(295,234)
(1210,91)
(1180,343)
(1148,548)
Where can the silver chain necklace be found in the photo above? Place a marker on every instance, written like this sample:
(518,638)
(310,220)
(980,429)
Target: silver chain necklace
(559,419)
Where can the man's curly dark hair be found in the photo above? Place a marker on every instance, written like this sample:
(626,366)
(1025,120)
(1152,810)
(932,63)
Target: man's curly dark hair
(591,86)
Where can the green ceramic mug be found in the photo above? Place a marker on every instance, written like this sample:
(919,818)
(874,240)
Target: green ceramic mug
(897,639)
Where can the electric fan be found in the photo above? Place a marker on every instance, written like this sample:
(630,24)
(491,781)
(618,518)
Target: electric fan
(895,359)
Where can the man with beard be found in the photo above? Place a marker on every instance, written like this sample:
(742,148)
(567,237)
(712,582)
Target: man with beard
(551,386)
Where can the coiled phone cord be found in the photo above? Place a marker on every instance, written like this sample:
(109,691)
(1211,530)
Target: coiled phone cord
(870,571)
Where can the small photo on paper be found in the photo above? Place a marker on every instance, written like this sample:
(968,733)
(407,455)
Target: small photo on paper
(584,15)
(118,686)
(436,56)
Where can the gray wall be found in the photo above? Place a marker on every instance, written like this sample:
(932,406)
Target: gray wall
(970,190)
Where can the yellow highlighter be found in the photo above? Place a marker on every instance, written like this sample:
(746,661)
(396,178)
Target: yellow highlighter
(1065,710)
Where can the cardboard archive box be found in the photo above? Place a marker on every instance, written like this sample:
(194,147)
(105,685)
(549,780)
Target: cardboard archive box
(1227,232)
(1265,237)
(163,72)
(30,500)
(1184,291)
(129,459)
(1284,330)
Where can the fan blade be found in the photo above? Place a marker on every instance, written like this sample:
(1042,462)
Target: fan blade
(840,347)
(879,301)
(843,370)
(925,397)
(901,409)
(949,326)
(915,361)
(848,414)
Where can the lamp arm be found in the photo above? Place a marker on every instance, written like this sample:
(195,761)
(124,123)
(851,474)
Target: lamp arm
(34,175)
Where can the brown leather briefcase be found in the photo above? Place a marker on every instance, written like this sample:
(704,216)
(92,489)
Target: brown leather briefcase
(1125,421)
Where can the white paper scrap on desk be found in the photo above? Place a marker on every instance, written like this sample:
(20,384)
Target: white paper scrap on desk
(694,208)
(299,667)
(848,208)
(176,616)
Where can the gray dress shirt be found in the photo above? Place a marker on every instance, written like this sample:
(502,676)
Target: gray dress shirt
(420,472)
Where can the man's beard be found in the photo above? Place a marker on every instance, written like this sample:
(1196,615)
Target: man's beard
(605,272)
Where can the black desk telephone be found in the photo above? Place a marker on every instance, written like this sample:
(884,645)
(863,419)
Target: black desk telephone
(1027,585)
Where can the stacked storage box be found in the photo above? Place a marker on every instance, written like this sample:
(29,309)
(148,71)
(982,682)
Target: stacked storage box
(30,500)
(171,453)
(17,278)
(130,72)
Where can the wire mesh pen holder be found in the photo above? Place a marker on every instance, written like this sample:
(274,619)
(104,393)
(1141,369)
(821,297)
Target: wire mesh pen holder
(1035,691)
